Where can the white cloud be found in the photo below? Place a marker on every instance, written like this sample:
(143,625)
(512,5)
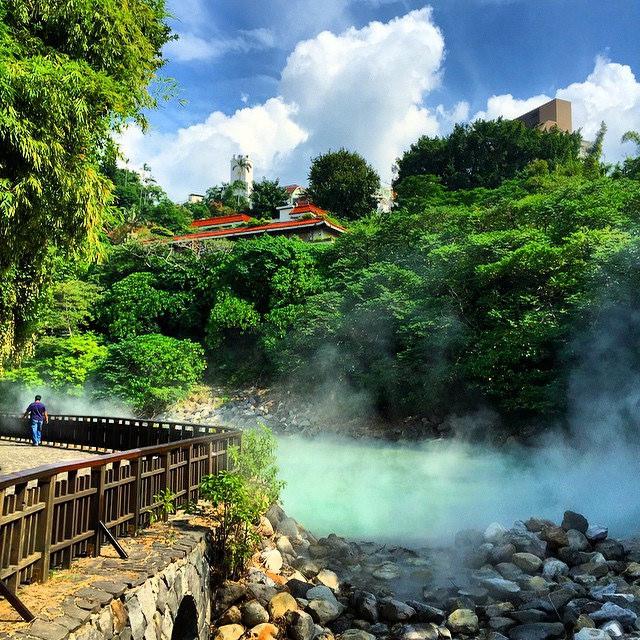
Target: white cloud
(197,157)
(362,88)
(190,46)
(610,93)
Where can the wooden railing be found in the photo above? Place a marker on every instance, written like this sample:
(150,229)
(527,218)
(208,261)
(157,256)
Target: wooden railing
(50,515)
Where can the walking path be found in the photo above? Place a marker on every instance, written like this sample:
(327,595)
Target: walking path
(16,456)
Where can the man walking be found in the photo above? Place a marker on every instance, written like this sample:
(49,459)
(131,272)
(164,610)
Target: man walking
(37,414)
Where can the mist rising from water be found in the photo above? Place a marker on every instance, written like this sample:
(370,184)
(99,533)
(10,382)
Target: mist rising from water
(416,494)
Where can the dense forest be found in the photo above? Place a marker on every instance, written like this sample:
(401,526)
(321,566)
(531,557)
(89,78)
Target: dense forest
(506,250)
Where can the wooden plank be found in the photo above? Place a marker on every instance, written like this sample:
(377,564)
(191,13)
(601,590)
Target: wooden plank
(15,554)
(44,531)
(16,603)
(97,507)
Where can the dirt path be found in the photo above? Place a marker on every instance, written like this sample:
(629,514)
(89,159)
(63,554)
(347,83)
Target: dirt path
(16,456)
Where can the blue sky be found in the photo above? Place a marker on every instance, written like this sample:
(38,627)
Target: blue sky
(285,80)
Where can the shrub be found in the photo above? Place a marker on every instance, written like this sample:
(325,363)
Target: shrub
(151,371)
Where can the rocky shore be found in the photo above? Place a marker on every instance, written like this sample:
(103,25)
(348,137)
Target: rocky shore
(535,581)
(285,413)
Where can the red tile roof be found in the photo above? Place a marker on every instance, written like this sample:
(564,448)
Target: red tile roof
(307,207)
(274,226)
(218,220)
(292,187)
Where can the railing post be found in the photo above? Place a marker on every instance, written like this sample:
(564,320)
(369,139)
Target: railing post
(15,554)
(134,496)
(45,529)
(97,511)
(67,554)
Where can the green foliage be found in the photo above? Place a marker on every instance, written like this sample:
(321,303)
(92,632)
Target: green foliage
(72,71)
(343,183)
(267,195)
(166,501)
(485,153)
(227,198)
(61,363)
(133,306)
(151,371)
(230,314)
(238,513)
(256,463)
(72,307)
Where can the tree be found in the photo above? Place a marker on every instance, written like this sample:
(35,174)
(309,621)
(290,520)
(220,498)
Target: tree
(484,153)
(267,195)
(71,72)
(631,166)
(342,182)
(227,198)
(151,371)
(72,307)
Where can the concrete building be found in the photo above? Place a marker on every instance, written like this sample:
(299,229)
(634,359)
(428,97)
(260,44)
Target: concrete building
(195,198)
(555,113)
(242,171)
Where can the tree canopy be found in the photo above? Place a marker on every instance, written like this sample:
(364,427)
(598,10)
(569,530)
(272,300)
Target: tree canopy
(484,153)
(69,73)
(343,183)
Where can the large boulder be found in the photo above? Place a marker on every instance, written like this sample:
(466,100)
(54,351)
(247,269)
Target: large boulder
(610,611)
(552,569)
(573,520)
(463,621)
(253,613)
(229,593)
(527,562)
(300,626)
(281,604)
(394,610)
(365,605)
(324,611)
(577,540)
(320,592)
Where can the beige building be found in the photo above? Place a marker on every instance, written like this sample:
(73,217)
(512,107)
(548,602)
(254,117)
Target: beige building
(555,113)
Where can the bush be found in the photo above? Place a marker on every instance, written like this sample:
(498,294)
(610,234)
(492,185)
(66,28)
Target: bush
(151,372)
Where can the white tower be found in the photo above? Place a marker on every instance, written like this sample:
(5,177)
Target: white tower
(242,171)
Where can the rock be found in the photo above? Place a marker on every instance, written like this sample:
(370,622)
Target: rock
(537,631)
(610,549)
(610,611)
(287,527)
(494,635)
(614,629)
(584,622)
(555,536)
(229,593)
(463,621)
(509,571)
(495,533)
(265,528)
(45,630)
(500,624)
(528,542)
(356,634)
(281,604)
(232,616)
(573,520)
(366,606)
(300,626)
(379,629)
(394,610)
(324,611)
(529,616)
(229,632)
(321,592)
(553,569)
(502,553)
(498,587)
(253,613)
(426,613)
(387,571)
(284,546)
(264,631)
(328,579)
(527,562)
(272,560)
(537,524)
(416,632)
(632,570)
(499,609)
(262,593)
(298,588)
(307,567)
(591,634)
(469,538)
(577,540)
(596,533)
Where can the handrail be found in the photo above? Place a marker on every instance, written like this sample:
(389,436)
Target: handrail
(52,513)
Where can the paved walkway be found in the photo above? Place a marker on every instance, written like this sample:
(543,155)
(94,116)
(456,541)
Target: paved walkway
(16,456)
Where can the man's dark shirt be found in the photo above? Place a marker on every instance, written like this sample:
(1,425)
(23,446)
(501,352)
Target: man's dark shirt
(36,411)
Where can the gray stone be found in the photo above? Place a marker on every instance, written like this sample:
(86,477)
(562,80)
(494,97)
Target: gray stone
(610,549)
(502,553)
(110,586)
(498,587)
(324,611)
(262,593)
(463,621)
(613,628)
(499,609)
(137,620)
(47,630)
(500,623)
(356,634)
(596,533)
(321,592)
(387,571)
(529,616)
(366,606)
(553,569)
(287,527)
(231,616)
(300,626)
(591,634)
(427,613)
(229,593)
(416,632)
(527,562)
(577,540)
(94,595)
(394,610)
(105,623)
(537,631)
(610,611)
(509,571)
(298,588)
(253,613)
(495,533)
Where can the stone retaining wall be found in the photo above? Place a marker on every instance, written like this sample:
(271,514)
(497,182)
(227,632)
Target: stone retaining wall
(139,598)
